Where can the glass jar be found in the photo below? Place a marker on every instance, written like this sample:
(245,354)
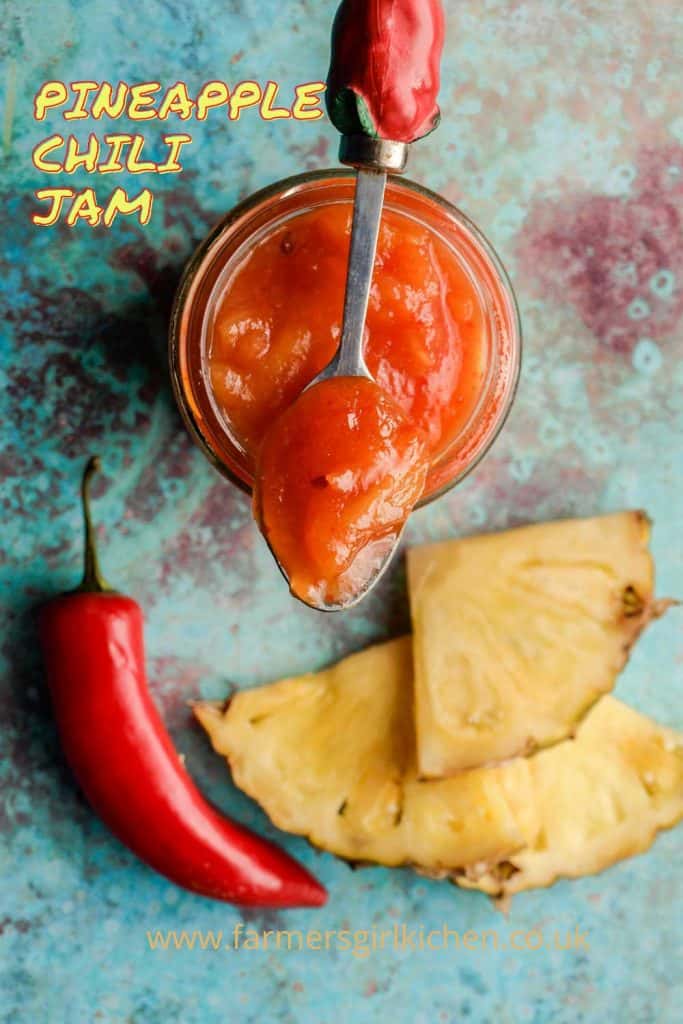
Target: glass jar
(208,272)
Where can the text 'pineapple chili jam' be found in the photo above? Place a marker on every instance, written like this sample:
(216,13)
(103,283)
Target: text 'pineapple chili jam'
(258,315)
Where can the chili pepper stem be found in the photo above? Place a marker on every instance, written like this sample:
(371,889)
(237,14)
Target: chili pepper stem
(93,581)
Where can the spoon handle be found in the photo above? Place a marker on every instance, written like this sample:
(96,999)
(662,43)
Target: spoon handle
(367,212)
(381,95)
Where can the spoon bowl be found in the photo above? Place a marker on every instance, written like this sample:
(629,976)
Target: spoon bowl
(320,605)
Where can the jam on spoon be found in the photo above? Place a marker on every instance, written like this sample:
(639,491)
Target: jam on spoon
(338,474)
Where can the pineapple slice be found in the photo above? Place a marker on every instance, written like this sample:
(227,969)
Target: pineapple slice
(331,756)
(517,634)
(596,799)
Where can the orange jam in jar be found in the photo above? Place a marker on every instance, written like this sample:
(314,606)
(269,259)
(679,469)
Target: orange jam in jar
(278,323)
(258,316)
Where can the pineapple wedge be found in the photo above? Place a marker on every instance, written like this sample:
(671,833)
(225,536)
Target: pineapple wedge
(517,634)
(332,756)
(596,799)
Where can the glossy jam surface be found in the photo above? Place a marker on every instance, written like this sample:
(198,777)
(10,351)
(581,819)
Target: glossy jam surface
(337,476)
(338,467)
(277,324)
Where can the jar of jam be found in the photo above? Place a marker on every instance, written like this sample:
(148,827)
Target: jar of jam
(258,315)
(336,469)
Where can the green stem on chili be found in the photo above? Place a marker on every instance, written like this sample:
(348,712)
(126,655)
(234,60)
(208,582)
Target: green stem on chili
(93,581)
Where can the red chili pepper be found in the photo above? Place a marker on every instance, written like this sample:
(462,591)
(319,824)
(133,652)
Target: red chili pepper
(384,72)
(124,759)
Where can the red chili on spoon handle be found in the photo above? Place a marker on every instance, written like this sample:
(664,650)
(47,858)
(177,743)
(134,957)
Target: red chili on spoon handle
(125,762)
(383,80)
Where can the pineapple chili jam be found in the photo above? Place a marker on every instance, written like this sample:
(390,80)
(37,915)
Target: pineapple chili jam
(336,469)
(339,471)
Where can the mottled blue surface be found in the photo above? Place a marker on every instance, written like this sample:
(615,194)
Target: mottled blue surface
(563,138)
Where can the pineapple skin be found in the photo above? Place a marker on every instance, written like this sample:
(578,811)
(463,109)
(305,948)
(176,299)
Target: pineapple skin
(518,634)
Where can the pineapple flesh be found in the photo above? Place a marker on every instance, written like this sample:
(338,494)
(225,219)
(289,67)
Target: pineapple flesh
(595,800)
(332,756)
(518,634)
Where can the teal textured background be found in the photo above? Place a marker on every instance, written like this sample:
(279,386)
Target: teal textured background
(562,137)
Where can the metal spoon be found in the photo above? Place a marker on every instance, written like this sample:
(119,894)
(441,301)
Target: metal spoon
(373,159)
